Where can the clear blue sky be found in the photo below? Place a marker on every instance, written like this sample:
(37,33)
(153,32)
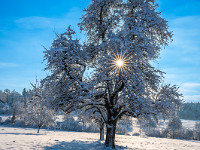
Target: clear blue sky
(26,26)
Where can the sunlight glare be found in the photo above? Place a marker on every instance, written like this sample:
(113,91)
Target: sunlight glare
(119,62)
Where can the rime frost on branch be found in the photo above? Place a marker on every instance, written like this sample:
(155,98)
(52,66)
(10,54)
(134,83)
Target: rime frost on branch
(132,31)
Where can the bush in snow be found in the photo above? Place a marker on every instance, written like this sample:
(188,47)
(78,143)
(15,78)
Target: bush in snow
(149,127)
(197,126)
(20,123)
(174,127)
(187,134)
(3,108)
(79,123)
(197,131)
(121,130)
(157,133)
(70,123)
(7,121)
(124,125)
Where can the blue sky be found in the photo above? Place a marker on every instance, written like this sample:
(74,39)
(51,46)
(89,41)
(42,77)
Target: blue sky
(26,26)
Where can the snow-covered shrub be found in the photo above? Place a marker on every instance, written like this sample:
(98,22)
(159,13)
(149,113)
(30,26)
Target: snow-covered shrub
(197,126)
(155,133)
(174,127)
(4,109)
(7,121)
(1,108)
(70,123)
(76,122)
(197,131)
(164,133)
(91,127)
(149,127)
(121,129)
(84,120)
(187,134)
(175,124)
(124,125)
(90,122)
(196,135)
(20,123)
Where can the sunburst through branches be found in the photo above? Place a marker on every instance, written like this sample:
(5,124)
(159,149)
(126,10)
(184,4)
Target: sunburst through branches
(120,63)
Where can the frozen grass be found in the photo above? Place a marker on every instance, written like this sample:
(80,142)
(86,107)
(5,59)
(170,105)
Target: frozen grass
(27,138)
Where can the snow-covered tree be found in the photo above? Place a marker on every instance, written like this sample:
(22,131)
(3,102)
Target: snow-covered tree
(70,123)
(11,103)
(174,127)
(93,116)
(37,111)
(2,104)
(123,38)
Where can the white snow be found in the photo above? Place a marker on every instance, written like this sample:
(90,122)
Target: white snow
(4,117)
(27,138)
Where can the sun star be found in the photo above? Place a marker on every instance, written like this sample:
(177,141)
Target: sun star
(119,63)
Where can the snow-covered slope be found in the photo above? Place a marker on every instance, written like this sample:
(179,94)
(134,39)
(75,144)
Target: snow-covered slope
(26,138)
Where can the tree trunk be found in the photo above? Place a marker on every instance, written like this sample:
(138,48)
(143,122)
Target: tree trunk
(101,131)
(38,129)
(110,135)
(13,118)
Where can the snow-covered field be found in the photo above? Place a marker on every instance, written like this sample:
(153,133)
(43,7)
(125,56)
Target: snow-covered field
(27,138)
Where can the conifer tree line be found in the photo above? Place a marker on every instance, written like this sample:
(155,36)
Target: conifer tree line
(190,111)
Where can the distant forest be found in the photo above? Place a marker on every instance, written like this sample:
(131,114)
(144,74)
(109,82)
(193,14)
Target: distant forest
(190,111)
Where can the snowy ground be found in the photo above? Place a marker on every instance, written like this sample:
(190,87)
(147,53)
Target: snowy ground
(27,138)
(190,124)
(4,117)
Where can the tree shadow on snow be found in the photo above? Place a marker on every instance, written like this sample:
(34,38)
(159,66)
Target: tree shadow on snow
(22,133)
(80,145)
